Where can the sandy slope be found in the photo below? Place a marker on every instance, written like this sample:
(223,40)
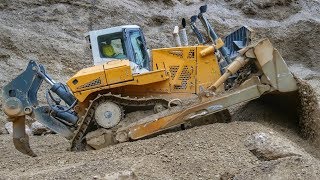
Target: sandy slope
(204,152)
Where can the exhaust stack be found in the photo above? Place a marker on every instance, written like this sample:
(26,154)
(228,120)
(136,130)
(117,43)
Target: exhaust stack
(183,33)
(196,30)
(176,36)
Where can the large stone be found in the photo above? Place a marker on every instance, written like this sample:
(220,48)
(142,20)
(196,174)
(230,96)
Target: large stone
(270,147)
(8,127)
(3,130)
(123,175)
(39,129)
(100,138)
(285,168)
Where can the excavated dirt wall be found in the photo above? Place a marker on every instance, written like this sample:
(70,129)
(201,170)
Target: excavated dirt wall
(52,32)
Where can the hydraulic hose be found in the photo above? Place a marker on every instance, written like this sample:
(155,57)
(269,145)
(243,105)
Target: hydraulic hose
(54,108)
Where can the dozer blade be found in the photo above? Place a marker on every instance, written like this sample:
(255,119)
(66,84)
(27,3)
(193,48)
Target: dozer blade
(20,138)
(179,115)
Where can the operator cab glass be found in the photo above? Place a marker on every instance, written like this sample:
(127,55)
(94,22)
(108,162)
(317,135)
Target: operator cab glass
(140,54)
(121,42)
(112,46)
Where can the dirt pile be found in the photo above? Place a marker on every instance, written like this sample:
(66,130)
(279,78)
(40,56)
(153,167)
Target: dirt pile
(206,152)
(267,9)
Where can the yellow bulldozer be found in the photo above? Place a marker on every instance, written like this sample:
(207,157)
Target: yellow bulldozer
(172,87)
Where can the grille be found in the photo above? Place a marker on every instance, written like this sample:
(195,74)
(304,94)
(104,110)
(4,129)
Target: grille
(173,71)
(185,76)
(191,54)
(90,84)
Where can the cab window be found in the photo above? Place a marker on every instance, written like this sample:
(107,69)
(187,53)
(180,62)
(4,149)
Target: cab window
(140,53)
(112,46)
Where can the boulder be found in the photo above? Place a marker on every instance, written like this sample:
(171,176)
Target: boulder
(123,175)
(3,130)
(268,147)
(8,127)
(39,129)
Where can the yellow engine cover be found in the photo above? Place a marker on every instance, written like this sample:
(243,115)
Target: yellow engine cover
(98,76)
(178,70)
(109,76)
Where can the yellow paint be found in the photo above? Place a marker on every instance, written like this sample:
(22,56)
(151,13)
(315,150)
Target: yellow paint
(176,70)
(180,63)
(116,63)
(138,80)
(207,51)
(219,43)
(118,74)
(208,70)
(85,76)
(93,77)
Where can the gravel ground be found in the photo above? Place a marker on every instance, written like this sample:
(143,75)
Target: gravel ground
(206,152)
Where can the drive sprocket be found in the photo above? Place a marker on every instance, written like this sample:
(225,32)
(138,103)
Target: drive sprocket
(108,114)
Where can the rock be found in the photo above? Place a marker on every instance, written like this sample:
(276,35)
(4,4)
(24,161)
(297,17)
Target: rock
(60,9)
(270,147)
(3,130)
(8,127)
(271,3)
(249,8)
(123,175)
(286,168)
(39,129)
(226,176)
(100,138)
(188,2)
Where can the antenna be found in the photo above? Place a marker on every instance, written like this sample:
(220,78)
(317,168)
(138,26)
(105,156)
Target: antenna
(183,23)
(203,8)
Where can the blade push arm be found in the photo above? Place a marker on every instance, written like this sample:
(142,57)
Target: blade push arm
(196,30)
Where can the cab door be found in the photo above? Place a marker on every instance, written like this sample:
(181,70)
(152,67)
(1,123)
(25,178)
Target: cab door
(136,48)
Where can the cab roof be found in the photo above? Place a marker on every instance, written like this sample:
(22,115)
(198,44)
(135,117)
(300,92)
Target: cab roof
(111,30)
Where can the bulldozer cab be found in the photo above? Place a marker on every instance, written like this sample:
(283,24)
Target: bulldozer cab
(122,42)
